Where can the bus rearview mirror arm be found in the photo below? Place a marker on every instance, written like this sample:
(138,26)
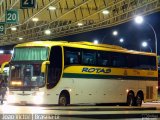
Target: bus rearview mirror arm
(3,66)
(43,67)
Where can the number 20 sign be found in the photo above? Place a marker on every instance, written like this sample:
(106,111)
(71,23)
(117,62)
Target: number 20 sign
(12,16)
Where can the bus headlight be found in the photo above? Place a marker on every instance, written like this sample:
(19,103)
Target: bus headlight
(16,83)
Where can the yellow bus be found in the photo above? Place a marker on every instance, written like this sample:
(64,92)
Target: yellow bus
(64,73)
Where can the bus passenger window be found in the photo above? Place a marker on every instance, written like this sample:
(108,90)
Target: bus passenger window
(72,60)
(104,62)
(132,61)
(71,56)
(89,57)
(86,60)
(118,59)
(141,62)
(104,58)
(147,62)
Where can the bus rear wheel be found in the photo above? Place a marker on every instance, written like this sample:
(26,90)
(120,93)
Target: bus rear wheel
(138,100)
(130,100)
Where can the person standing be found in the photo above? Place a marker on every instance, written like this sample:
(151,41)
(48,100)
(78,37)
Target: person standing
(3,90)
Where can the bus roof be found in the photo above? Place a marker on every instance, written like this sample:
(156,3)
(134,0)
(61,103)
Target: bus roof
(82,44)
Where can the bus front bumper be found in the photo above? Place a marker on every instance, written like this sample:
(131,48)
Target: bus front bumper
(25,99)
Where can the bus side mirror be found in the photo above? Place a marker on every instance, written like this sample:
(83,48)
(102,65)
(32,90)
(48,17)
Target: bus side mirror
(3,66)
(43,67)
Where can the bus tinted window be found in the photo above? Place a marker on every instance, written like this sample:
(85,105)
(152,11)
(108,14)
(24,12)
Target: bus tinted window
(72,56)
(118,59)
(89,57)
(147,62)
(104,58)
(141,62)
(132,61)
(108,59)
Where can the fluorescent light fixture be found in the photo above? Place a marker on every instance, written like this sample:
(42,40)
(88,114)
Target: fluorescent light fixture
(35,19)
(105,12)
(47,32)
(52,8)
(13,28)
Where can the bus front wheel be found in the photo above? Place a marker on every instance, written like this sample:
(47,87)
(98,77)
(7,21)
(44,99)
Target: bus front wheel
(64,99)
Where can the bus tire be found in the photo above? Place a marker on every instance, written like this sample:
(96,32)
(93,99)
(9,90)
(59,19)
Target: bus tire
(130,99)
(64,99)
(138,100)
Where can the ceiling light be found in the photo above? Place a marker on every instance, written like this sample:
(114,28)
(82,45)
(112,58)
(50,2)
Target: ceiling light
(20,38)
(105,12)
(52,8)
(80,24)
(115,33)
(47,32)
(13,28)
(35,19)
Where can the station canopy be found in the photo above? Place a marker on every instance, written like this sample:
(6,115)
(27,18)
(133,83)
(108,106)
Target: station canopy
(67,17)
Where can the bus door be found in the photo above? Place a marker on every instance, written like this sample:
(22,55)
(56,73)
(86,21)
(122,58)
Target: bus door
(55,67)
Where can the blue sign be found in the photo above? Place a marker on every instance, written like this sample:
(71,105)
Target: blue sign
(27,4)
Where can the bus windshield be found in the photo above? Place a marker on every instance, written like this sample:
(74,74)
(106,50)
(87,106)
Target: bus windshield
(31,53)
(26,75)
